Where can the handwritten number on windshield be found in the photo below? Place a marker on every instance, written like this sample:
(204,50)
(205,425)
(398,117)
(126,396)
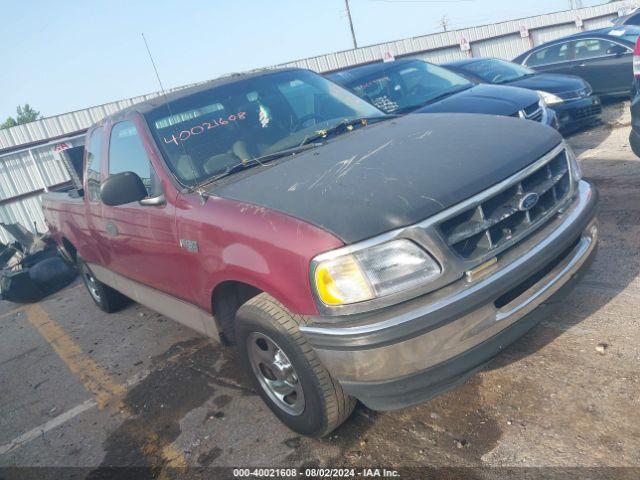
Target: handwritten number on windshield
(184,135)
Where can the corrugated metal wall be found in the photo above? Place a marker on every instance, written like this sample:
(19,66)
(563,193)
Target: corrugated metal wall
(22,175)
(27,212)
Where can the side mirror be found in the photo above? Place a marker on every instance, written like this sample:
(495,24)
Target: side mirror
(617,50)
(121,188)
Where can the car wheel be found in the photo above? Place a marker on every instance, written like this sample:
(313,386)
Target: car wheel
(634,141)
(286,371)
(105,297)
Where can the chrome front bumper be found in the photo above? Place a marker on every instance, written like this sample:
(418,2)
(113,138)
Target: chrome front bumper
(388,349)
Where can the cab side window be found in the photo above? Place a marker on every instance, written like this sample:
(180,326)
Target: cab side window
(94,161)
(591,48)
(553,54)
(127,154)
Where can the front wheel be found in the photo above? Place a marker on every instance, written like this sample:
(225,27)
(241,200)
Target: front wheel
(286,371)
(634,140)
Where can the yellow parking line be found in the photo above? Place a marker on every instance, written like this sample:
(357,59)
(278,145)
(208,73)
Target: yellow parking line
(94,378)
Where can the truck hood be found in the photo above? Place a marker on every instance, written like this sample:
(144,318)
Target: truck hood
(483,98)
(393,173)
(551,83)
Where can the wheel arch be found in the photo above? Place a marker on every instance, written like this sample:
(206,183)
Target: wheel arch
(227,297)
(68,249)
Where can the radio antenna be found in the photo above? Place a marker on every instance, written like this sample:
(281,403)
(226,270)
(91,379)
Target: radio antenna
(166,101)
(155,69)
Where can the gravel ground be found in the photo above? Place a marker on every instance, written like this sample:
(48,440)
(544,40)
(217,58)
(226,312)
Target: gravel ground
(79,388)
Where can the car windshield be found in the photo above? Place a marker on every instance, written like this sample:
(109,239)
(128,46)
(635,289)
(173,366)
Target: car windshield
(493,70)
(626,32)
(403,86)
(211,132)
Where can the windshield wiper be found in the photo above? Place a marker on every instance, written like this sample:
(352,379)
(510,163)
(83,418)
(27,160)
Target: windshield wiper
(343,126)
(415,106)
(253,162)
(509,80)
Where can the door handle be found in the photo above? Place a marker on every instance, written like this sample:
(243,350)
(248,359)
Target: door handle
(112,230)
(582,65)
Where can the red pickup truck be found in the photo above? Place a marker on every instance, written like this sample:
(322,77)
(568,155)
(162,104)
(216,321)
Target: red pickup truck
(346,253)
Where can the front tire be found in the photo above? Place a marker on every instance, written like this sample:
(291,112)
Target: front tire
(634,141)
(286,371)
(106,298)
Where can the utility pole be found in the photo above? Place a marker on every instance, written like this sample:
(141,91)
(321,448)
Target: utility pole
(353,32)
(444,23)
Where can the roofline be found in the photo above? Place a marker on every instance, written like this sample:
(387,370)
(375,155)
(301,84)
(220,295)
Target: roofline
(45,142)
(152,103)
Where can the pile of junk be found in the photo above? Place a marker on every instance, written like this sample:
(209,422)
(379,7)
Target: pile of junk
(32,266)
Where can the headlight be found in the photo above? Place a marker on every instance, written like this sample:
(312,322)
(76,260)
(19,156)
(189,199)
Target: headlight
(576,171)
(372,272)
(548,98)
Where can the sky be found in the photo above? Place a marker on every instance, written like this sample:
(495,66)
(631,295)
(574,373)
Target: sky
(71,54)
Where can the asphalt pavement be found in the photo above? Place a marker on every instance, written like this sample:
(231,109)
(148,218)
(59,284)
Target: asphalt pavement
(79,388)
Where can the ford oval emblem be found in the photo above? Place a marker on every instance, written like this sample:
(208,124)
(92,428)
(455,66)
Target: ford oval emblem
(528,201)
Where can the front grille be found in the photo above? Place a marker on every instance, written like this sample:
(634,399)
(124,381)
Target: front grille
(536,117)
(586,112)
(531,109)
(572,95)
(533,112)
(500,219)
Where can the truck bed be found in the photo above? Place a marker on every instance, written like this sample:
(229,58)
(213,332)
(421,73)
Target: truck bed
(64,214)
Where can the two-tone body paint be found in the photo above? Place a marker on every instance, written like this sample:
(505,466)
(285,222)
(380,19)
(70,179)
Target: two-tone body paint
(236,241)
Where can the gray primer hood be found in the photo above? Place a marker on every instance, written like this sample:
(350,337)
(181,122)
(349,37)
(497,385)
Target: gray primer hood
(394,173)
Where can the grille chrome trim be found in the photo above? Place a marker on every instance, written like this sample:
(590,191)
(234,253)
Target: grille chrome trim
(496,221)
(492,191)
(533,112)
(575,94)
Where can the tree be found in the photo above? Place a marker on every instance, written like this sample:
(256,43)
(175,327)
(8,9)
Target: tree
(9,122)
(25,113)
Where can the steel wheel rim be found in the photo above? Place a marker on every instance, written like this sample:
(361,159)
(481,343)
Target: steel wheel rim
(91,283)
(275,373)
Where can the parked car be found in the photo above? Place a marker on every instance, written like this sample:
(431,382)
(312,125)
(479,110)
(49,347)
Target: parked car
(634,135)
(602,57)
(631,18)
(569,96)
(345,253)
(405,86)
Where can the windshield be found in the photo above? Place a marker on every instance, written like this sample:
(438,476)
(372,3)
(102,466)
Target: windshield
(497,71)
(626,32)
(212,131)
(404,86)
